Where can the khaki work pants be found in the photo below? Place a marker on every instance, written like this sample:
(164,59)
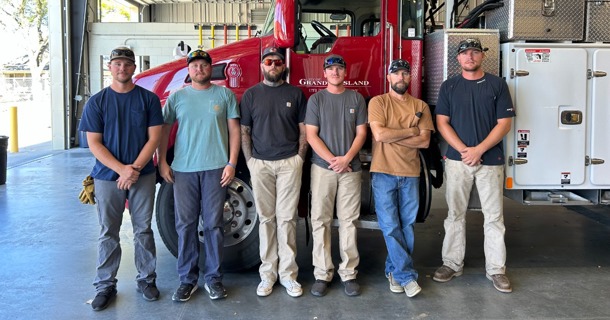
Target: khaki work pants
(489,181)
(326,187)
(276,185)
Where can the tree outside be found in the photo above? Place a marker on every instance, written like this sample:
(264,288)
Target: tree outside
(28,21)
(23,69)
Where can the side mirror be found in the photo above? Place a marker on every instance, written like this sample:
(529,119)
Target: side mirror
(284,23)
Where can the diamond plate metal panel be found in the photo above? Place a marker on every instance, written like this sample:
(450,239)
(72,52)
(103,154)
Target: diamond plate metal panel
(440,61)
(531,20)
(597,27)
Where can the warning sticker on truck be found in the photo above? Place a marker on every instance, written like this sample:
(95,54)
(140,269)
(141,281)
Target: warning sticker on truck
(523,137)
(521,152)
(523,140)
(538,55)
(566,177)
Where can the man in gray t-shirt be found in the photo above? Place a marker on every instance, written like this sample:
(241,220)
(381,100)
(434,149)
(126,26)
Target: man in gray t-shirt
(336,129)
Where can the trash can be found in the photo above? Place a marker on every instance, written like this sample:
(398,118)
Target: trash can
(3,158)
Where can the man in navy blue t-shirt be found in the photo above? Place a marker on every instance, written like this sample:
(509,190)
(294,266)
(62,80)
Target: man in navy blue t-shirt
(123,124)
(473,114)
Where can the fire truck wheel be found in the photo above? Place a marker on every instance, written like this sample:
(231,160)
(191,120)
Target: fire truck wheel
(240,226)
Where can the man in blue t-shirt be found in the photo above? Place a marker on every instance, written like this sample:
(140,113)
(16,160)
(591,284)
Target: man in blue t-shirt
(123,124)
(205,156)
(473,114)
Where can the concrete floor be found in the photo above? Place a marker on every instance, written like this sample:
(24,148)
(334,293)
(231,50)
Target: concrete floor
(558,261)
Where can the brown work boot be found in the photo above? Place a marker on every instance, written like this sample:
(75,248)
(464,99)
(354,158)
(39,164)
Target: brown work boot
(444,274)
(501,282)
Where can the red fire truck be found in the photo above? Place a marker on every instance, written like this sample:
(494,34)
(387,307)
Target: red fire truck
(369,34)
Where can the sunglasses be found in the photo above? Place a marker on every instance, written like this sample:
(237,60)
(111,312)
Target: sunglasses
(470,43)
(275,62)
(122,53)
(333,60)
(198,53)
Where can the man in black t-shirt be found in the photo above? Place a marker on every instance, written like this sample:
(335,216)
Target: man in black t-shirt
(274,145)
(473,114)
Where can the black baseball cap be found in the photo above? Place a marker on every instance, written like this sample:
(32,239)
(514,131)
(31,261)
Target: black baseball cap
(399,64)
(470,43)
(272,51)
(198,54)
(334,60)
(123,52)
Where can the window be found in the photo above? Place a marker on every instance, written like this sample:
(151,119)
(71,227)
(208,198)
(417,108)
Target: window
(320,30)
(117,11)
(412,19)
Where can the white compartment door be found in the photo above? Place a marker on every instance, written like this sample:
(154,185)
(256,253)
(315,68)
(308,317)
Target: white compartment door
(600,118)
(556,87)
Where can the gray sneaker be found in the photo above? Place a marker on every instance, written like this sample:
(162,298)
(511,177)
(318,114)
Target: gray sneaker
(319,288)
(352,288)
(501,282)
(444,274)
(148,289)
(394,286)
(412,289)
(103,299)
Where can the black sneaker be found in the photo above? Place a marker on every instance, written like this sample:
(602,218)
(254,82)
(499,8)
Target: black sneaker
(103,298)
(184,292)
(216,290)
(352,288)
(319,288)
(149,290)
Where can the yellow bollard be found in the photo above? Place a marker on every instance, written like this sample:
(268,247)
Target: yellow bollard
(14,140)
(200,36)
(212,34)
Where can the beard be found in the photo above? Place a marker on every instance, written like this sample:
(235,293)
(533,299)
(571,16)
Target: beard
(203,79)
(123,80)
(273,77)
(400,87)
(473,68)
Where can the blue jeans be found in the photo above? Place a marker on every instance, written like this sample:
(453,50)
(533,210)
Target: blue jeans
(195,194)
(110,208)
(396,204)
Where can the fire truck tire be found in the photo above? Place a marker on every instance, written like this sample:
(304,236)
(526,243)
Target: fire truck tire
(425,190)
(240,226)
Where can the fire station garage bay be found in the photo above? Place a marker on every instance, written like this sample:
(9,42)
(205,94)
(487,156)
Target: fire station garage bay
(554,56)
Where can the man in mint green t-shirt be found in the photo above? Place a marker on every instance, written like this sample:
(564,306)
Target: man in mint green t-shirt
(205,155)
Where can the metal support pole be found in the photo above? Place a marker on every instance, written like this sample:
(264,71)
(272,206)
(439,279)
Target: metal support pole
(236,32)
(14,140)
